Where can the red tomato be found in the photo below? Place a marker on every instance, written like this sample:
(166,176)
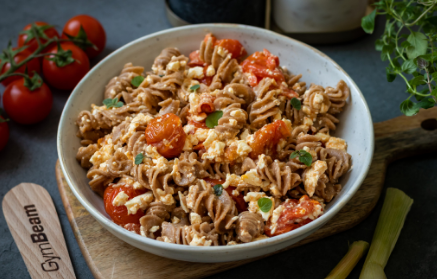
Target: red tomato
(206,79)
(93,29)
(119,214)
(66,77)
(267,138)
(32,65)
(293,210)
(260,65)
(25,106)
(32,43)
(240,203)
(234,47)
(132,227)
(4,133)
(195,59)
(166,134)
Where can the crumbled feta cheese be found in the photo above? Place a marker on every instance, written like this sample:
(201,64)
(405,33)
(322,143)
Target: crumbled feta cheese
(232,180)
(252,177)
(222,51)
(139,202)
(173,66)
(261,161)
(189,128)
(139,120)
(312,176)
(322,137)
(165,198)
(195,72)
(103,154)
(275,217)
(152,152)
(154,229)
(210,71)
(190,141)
(233,122)
(200,241)
(195,218)
(215,151)
(261,237)
(238,113)
(231,243)
(211,137)
(120,199)
(166,239)
(336,143)
(244,134)
(194,100)
(175,220)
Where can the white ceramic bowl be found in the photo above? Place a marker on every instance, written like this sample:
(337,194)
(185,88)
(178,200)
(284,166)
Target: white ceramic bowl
(355,127)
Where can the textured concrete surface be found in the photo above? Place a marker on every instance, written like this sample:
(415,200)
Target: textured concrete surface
(30,155)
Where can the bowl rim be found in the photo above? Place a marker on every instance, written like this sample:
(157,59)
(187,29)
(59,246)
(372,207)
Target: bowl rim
(310,227)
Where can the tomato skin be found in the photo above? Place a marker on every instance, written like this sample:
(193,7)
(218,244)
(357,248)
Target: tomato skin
(25,106)
(33,44)
(93,29)
(195,59)
(32,65)
(119,214)
(260,65)
(267,138)
(166,134)
(4,134)
(234,47)
(67,77)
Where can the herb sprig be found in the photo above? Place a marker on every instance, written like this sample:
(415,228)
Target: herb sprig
(409,45)
(304,157)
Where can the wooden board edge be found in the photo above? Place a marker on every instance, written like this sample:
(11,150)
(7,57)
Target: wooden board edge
(88,259)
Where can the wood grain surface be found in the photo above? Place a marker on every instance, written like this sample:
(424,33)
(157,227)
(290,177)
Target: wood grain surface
(34,224)
(109,257)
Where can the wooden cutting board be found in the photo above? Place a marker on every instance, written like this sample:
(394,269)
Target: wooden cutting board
(109,257)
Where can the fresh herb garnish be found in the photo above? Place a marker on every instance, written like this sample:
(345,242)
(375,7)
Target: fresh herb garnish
(212,119)
(136,81)
(195,87)
(112,103)
(408,44)
(139,158)
(265,204)
(304,157)
(296,103)
(218,190)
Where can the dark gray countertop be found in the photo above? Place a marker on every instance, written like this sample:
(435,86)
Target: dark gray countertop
(30,155)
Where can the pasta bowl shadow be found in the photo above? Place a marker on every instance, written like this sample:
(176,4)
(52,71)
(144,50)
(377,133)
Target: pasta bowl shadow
(355,127)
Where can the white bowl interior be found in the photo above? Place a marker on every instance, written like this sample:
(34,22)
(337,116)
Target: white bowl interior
(355,127)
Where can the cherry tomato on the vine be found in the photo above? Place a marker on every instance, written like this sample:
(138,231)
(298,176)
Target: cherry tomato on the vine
(25,106)
(4,133)
(119,214)
(92,33)
(32,65)
(28,38)
(63,73)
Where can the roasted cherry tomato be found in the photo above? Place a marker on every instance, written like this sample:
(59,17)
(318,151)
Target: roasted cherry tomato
(66,77)
(260,65)
(132,227)
(195,59)
(234,47)
(119,214)
(196,124)
(32,65)
(92,34)
(206,79)
(166,134)
(267,138)
(32,44)
(4,133)
(292,212)
(240,203)
(25,106)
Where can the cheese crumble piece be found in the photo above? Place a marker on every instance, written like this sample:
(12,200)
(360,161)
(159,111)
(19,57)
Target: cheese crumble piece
(232,180)
(173,66)
(336,143)
(275,217)
(195,218)
(312,176)
(120,199)
(251,177)
(200,241)
(210,71)
(195,72)
(139,202)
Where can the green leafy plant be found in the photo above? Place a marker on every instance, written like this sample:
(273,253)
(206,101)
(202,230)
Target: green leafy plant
(212,119)
(265,204)
(112,103)
(409,45)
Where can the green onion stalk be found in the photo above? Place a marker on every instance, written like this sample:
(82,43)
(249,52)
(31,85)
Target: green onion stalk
(349,261)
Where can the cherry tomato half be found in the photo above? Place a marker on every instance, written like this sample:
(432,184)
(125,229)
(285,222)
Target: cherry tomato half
(32,65)
(66,77)
(166,134)
(4,133)
(25,106)
(234,47)
(119,214)
(260,65)
(267,138)
(94,33)
(32,43)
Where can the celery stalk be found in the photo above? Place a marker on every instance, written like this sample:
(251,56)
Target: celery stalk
(391,220)
(348,262)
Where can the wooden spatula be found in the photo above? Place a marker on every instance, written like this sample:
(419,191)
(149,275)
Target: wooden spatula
(34,224)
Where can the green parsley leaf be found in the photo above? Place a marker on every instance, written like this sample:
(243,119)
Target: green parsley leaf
(218,190)
(112,103)
(304,157)
(295,102)
(265,204)
(419,45)
(139,158)
(368,22)
(213,118)
(136,81)
(195,87)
